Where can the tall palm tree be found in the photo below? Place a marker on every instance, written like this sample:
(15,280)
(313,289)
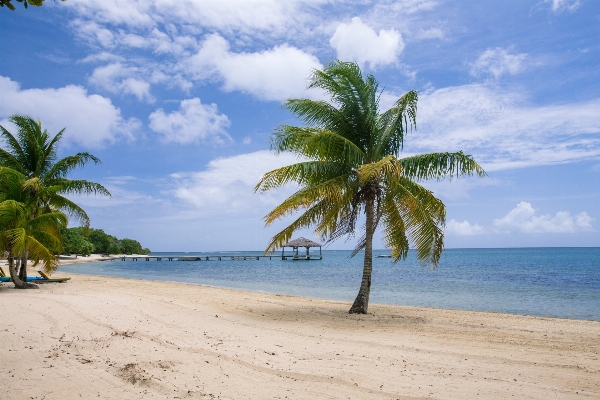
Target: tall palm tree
(354,166)
(24,235)
(32,152)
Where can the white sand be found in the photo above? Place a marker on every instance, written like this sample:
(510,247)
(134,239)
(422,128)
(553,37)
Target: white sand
(109,338)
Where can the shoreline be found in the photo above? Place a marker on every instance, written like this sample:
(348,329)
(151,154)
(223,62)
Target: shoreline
(98,258)
(128,338)
(331,300)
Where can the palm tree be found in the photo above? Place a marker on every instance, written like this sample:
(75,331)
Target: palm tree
(352,166)
(32,152)
(23,235)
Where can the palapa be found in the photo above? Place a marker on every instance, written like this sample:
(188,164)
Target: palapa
(301,242)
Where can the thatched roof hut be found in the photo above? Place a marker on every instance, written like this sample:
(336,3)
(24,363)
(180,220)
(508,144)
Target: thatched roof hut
(301,242)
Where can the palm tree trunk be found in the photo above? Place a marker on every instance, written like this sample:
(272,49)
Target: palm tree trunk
(23,269)
(15,276)
(361,303)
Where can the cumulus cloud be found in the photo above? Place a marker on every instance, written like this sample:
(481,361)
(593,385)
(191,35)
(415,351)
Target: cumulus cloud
(358,41)
(497,62)
(463,228)
(523,219)
(563,5)
(193,122)
(117,78)
(91,120)
(227,184)
(275,74)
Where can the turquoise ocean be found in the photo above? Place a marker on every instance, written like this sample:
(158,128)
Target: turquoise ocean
(552,282)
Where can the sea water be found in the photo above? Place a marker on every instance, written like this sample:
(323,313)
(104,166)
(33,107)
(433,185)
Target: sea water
(553,282)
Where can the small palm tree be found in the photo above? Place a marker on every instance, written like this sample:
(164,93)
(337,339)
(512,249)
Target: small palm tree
(24,235)
(32,152)
(353,166)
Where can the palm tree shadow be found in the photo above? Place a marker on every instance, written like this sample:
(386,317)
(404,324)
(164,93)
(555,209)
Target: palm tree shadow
(335,314)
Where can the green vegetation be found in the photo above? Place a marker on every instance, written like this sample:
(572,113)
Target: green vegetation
(87,241)
(33,205)
(354,167)
(26,3)
(26,233)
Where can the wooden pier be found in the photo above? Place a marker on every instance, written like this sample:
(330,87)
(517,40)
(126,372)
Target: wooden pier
(219,257)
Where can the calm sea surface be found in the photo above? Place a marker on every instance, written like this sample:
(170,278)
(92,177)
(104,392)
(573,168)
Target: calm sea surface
(556,282)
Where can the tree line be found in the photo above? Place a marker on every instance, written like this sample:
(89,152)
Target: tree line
(82,241)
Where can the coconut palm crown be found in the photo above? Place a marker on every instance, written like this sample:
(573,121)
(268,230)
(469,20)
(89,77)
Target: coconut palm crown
(33,153)
(353,166)
(32,190)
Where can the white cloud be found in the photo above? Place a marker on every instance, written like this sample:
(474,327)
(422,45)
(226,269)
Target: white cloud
(160,42)
(103,56)
(359,42)
(227,185)
(275,74)
(193,122)
(242,16)
(563,5)
(94,33)
(523,219)
(497,62)
(463,228)
(132,13)
(117,78)
(91,120)
(502,130)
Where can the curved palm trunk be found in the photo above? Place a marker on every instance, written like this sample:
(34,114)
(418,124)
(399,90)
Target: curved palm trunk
(23,268)
(361,303)
(15,274)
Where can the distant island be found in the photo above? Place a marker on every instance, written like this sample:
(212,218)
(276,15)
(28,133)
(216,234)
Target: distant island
(84,242)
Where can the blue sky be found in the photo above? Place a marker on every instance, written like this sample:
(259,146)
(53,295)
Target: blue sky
(179,98)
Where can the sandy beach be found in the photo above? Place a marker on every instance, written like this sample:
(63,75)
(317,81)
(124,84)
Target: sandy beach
(110,338)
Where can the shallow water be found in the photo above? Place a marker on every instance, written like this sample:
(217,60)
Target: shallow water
(555,282)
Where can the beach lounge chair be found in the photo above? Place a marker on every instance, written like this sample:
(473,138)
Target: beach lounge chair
(47,278)
(6,278)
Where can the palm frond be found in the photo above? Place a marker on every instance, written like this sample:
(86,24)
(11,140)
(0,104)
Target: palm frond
(79,186)
(320,114)
(395,123)
(67,164)
(440,165)
(394,230)
(331,190)
(304,173)
(307,219)
(318,144)
(38,252)
(423,216)
(376,171)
